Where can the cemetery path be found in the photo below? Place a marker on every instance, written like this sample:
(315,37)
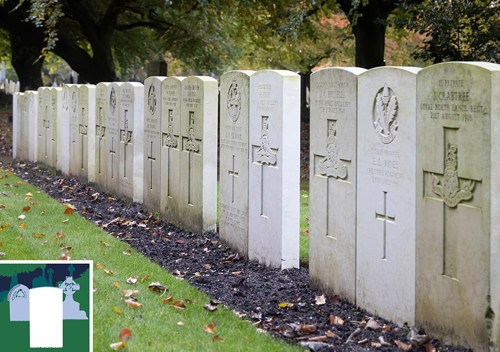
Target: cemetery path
(280,302)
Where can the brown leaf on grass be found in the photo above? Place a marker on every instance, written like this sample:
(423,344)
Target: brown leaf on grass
(2,254)
(61,235)
(38,235)
(98,265)
(116,284)
(217,338)
(26,208)
(210,307)
(320,300)
(125,334)
(429,347)
(308,328)
(129,293)
(402,345)
(117,345)
(318,339)
(104,244)
(132,304)
(68,211)
(144,278)
(168,299)
(44,242)
(210,328)
(21,217)
(1,244)
(181,323)
(64,256)
(157,287)
(109,272)
(179,305)
(22,225)
(6,194)
(65,221)
(132,280)
(336,320)
(127,252)
(117,310)
(94,289)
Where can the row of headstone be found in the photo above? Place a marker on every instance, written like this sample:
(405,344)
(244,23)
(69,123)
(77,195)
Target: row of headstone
(404,195)
(11,87)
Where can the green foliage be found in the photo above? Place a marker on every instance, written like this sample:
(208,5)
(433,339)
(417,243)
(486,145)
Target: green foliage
(46,14)
(466,30)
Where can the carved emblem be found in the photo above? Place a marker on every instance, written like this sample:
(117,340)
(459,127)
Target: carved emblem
(65,100)
(73,101)
(452,191)
(191,144)
(125,134)
(331,165)
(100,131)
(385,115)
(152,99)
(265,154)
(233,101)
(112,100)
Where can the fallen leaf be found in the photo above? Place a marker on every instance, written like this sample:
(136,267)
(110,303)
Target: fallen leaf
(65,221)
(127,252)
(207,266)
(22,225)
(157,287)
(308,328)
(108,271)
(128,293)
(68,205)
(21,217)
(144,278)
(125,334)
(179,305)
(332,334)
(1,244)
(117,310)
(60,235)
(197,274)
(372,324)
(336,320)
(336,300)
(26,208)
(44,242)
(116,284)
(285,305)
(98,265)
(94,289)
(169,299)
(132,280)
(318,339)
(68,211)
(38,235)
(386,328)
(117,345)
(382,341)
(320,300)
(6,194)
(42,212)
(105,244)
(132,304)
(210,328)
(237,272)
(217,338)
(64,256)
(2,254)
(29,194)
(210,307)
(402,345)
(429,347)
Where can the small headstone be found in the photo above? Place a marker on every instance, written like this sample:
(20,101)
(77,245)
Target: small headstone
(332,186)
(274,171)
(171,146)
(46,317)
(152,142)
(100,138)
(385,258)
(112,136)
(131,144)
(86,132)
(32,101)
(458,227)
(233,190)
(198,164)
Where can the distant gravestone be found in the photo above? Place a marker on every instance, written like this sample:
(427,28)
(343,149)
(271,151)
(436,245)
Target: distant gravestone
(112,136)
(152,142)
(385,258)
(233,190)
(86,132)
(274,171)
(198,164)
(56,95)
(100,138)
(41,116)
(32,101)
(171,146)
(458,227)
(23,144)
(332,186)
(131,144)
(72,106)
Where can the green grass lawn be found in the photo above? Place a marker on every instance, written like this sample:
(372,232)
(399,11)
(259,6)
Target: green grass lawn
(157,325)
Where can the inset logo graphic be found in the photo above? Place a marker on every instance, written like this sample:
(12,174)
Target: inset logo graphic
(46,304)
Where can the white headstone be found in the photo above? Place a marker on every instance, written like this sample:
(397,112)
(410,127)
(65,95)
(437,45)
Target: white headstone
(274,171)
(458,207)
(46,317)
(198,166)
(385,259)
(41,130)
(171,149)
(23,145)
(332,182)
(152,142)
(233,190)
(131,145)
(100,128)
(32,101)
(112,136)
(50,128)
(19,303)
(16,116)
(86,132)
(61,131)
(71,104)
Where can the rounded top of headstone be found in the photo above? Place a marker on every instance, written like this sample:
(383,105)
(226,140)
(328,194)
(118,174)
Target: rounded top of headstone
(284,73)
(154,78)
(239,72)
(86,87)
(354,70)
(102,84)
(19,290)
(484,65)
(410,69)
(131,84)
(200,78)
(177,79)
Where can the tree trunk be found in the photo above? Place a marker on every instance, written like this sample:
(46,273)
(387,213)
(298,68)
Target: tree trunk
(370,42)
(305,83)
(24,60)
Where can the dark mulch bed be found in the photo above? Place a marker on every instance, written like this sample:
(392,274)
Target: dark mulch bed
(246,287)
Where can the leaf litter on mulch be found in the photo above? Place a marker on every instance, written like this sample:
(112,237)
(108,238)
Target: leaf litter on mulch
(279,302)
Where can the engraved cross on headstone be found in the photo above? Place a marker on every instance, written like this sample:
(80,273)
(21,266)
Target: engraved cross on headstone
(191,145)
(169,140)
(125,138)
(112,151)
(451,190)
(386,219)
(83,133)
(330,166)
(151,160)
(100,130)
(46,126)
(232,173)
(264,155)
